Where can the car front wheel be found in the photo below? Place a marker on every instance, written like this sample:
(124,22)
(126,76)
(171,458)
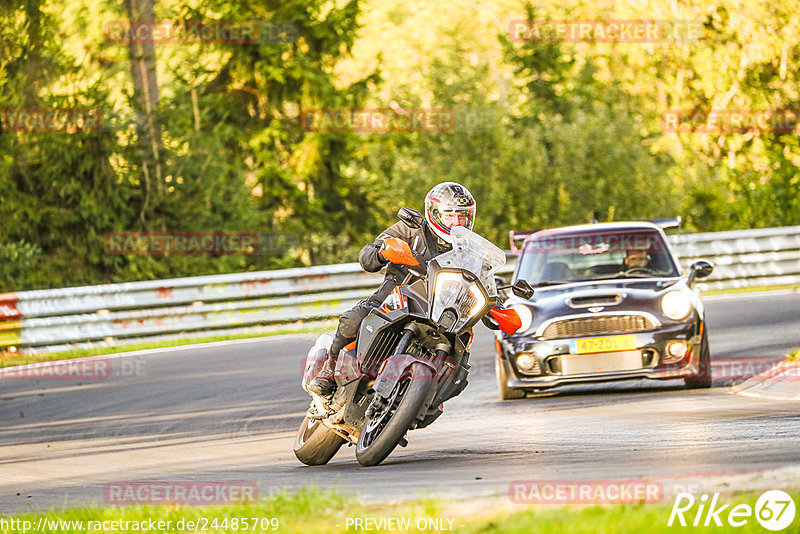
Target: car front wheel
(703,378)
(506,393)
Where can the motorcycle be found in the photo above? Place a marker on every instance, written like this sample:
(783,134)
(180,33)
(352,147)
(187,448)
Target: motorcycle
(411,353)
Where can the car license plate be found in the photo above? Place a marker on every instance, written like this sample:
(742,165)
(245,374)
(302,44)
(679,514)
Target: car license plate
(602,362)
(602,344)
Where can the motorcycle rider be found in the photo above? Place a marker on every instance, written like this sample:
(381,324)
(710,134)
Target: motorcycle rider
(447,205)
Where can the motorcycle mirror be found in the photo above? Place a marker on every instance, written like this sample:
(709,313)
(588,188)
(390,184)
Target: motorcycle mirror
(412,218)
(508,320)
(397,251)
(522,289)
(500,283)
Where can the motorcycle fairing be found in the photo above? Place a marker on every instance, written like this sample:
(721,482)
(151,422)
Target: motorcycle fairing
(346,367)
(393,369)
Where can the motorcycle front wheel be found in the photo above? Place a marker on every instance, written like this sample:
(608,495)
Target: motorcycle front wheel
(384,430)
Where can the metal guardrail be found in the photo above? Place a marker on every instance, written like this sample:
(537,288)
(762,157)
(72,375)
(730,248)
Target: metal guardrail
(58,319)
(744,258)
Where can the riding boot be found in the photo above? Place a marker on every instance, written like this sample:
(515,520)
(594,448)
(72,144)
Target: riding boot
(323,384)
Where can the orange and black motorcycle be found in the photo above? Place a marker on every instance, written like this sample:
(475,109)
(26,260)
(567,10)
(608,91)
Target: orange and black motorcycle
(411,353)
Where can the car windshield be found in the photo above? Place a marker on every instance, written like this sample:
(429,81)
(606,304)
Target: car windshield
(554,257)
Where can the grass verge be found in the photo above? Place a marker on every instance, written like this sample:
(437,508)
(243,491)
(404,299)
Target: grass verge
(11,359)
(312,511)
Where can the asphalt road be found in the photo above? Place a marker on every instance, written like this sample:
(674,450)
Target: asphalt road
(229,412)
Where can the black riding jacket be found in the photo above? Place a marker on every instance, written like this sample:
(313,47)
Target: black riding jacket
(423,242)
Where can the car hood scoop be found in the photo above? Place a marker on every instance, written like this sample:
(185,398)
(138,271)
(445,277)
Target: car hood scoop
(594,300)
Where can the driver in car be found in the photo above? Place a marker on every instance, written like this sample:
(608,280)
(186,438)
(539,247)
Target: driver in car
(635,259)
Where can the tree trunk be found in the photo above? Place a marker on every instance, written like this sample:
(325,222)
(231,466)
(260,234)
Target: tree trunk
(145,101)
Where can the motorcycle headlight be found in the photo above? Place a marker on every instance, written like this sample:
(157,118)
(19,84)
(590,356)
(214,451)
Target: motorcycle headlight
(473,302)
(446,290)
(676,305)
(525,316)
(447,284)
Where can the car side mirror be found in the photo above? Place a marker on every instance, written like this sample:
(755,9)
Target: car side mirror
(412,218)
(699,269)
(522,289)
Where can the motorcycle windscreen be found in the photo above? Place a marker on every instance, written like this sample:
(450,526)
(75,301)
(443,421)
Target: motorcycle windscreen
(475,254)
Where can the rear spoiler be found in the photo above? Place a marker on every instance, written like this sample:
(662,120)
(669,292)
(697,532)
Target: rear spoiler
(518,237)
(664,224)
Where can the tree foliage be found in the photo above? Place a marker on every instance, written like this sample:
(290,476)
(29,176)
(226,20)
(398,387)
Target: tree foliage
(544,133)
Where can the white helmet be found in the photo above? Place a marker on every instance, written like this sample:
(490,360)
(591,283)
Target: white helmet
(444,201)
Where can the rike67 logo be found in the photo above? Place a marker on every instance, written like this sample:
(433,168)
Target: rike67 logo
(774,510)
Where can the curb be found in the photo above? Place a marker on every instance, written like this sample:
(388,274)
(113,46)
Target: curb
(782,382)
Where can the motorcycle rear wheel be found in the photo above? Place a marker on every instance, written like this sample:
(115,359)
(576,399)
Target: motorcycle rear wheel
(383,432)
(316,444)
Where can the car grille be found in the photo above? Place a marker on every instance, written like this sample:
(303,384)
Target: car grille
(603,324)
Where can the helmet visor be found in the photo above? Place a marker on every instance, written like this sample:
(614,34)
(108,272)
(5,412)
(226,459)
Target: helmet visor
(450,218)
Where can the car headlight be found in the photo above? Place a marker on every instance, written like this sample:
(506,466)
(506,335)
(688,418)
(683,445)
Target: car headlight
(525,316)
(676,305)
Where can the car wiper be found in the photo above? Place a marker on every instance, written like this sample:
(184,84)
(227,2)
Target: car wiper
(619,276)
(551,283)
(605,278)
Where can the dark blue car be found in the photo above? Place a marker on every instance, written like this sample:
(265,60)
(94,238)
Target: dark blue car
(610,303)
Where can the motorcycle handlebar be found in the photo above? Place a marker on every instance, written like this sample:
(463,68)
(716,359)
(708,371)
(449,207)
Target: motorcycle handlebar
(418,270)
